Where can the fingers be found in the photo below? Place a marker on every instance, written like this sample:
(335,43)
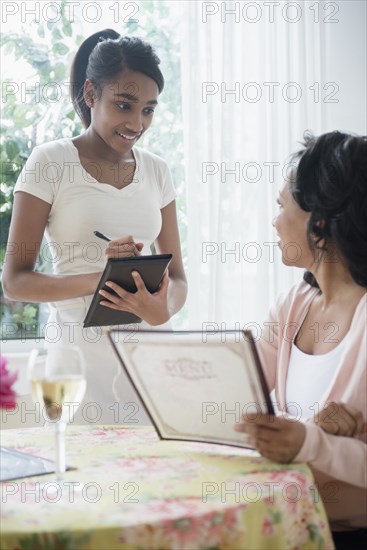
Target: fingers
(121,306)
(340,419)
(345,424)
(354,418)
(268,421)
(139,283)
(124,294)
(115,300)
(124,247)
(257,434)
(122,250)
(275,454)
(121,293)
(327,420)
(163,287)
(274,437)
(121,298)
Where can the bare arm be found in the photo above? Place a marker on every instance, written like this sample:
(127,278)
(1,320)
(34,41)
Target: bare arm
(20,282)
(168,241)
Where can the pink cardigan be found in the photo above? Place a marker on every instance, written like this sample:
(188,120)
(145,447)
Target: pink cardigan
(339,463)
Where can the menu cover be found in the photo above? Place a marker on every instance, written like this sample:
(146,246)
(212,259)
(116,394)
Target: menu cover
(118,270)
(195,386)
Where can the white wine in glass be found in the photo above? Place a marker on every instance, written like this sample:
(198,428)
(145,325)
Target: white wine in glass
(57,376)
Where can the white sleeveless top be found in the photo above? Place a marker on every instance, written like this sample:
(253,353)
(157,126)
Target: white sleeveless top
(308,379)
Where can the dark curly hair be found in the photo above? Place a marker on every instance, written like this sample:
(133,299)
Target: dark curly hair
(104,55)
(330,182)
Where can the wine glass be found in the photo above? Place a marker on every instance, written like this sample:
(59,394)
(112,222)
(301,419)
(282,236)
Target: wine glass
(57,376)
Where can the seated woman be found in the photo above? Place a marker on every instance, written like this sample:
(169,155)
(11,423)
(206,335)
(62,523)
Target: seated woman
(314,350)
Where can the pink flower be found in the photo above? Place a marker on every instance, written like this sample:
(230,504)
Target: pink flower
(7,394)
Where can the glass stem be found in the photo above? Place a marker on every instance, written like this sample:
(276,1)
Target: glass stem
(60,449)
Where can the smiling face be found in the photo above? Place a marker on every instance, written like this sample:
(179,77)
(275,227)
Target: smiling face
(122,111)
(291,226)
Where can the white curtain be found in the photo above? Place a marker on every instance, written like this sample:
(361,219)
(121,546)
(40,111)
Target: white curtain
(242,118)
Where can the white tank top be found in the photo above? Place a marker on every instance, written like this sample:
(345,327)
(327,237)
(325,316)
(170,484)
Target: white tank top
(308,379)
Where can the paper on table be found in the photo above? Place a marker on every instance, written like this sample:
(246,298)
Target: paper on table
(15,465)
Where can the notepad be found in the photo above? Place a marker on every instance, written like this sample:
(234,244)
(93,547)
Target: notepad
(118,270)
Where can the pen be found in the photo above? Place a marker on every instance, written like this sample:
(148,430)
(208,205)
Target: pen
(101,236)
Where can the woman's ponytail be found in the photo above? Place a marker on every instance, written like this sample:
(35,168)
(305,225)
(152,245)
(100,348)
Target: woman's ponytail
(79,69)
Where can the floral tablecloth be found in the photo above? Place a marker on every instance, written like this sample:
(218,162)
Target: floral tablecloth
(132,491)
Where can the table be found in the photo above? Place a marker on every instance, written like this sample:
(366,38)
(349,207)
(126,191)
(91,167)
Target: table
(142,493)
